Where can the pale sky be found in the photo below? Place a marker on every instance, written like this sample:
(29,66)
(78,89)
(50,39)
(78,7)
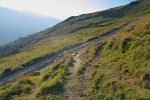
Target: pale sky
(62,9)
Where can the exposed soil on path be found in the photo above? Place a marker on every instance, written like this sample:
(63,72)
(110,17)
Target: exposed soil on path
(76,87)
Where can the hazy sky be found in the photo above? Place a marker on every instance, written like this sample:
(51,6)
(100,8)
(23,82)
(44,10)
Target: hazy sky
(62,9)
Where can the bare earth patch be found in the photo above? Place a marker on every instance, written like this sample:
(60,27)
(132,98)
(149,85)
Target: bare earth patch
(75,87)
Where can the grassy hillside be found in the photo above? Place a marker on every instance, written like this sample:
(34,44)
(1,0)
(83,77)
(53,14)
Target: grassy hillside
(121,69)
(51,45)
(80,23)
(71,31)
(115,68)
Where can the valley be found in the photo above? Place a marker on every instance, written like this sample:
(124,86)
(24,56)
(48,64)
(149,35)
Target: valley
(16,24)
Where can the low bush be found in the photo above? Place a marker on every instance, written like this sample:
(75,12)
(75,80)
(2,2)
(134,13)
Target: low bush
(15,90)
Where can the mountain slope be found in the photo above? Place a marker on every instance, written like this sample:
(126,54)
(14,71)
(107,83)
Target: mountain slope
(71,31)
(120,70)
(83,22)
(15,24)
(115,68)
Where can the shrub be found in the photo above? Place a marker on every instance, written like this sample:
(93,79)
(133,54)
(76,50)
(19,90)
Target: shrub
(121,96)
(125,45)
(146,85)
(26,81)
(52,88)
(15,90)
(6,72)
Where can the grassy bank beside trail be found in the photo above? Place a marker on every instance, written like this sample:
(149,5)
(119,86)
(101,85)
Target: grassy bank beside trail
(47,85)
(122,71)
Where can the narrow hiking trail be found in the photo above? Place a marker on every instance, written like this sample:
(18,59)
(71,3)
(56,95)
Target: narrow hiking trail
(71,92)
(76,63)
(77,86)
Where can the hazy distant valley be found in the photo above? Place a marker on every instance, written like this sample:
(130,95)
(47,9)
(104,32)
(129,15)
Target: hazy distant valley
(15,24)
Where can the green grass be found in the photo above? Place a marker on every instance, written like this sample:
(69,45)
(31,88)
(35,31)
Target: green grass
(123,63)
(90,56)
(119,64)
(69,32)
(51,45)
(48,85)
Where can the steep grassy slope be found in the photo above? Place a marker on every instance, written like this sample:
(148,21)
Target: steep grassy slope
(121,69)
(71,31)
(117,69)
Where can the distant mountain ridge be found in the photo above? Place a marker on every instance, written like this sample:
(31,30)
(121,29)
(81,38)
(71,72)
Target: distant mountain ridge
(15,24)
